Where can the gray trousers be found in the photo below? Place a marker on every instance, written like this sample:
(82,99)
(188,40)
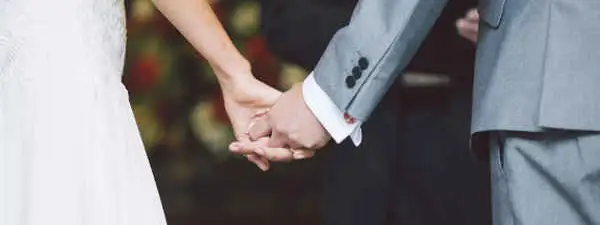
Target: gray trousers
(546,178)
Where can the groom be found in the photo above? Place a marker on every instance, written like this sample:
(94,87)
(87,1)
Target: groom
(535,112)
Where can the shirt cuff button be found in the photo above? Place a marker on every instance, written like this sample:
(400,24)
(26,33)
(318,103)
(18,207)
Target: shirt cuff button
(349,119)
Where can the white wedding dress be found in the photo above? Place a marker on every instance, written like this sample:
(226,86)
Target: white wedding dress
(70,152)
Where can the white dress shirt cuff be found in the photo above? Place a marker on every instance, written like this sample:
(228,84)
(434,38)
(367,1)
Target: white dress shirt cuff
(328,114)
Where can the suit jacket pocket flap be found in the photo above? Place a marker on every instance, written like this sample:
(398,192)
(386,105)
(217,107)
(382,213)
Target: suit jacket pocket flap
(491,11)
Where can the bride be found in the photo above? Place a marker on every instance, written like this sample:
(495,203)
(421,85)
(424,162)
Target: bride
(70,152)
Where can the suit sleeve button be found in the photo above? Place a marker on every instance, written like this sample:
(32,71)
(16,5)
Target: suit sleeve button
(356,72)
(350,81)
(363,63)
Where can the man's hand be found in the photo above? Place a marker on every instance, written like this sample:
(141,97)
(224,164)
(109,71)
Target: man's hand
(468,26)
(295,133)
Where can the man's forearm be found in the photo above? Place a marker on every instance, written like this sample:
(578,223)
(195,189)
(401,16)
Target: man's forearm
(364,58)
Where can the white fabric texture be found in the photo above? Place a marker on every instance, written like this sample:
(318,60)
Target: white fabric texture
(70,151)
(328,114)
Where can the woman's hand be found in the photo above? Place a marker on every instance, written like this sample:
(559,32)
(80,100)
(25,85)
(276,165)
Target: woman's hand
(245,97)
(243,94)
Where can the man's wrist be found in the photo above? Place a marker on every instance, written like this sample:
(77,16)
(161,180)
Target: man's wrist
(327,112)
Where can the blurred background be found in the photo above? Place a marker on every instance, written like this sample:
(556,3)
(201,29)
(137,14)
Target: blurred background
(179,110)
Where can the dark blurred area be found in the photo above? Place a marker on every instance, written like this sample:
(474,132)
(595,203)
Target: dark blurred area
(180,113)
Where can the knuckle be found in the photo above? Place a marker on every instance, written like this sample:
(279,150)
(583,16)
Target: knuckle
(280,128)
(310,145)
(323,142)
(294,127)
(317,145)
(294,137)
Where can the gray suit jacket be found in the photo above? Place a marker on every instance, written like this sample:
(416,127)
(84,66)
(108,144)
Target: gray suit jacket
(538,61)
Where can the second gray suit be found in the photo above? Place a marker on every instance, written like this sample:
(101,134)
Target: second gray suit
(536,98)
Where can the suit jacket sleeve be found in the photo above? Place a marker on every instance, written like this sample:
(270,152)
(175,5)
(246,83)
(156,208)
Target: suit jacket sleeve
(363,59)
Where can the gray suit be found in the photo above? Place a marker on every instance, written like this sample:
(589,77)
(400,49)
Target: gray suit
(536,94)
(538,65)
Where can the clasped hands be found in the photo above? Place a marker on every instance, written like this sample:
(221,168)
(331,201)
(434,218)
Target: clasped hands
(284,132)
(271,126)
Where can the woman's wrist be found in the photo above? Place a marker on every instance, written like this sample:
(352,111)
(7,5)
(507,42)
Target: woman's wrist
(233,73)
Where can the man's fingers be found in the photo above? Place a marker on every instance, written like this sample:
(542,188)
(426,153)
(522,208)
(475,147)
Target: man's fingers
(473,14)
(472,36)
(277,140)
(303,154)
(271,148)
(259,128)
(468,29)
(468,34)
(277,154)
(262,163)
(463,24)
(248,147)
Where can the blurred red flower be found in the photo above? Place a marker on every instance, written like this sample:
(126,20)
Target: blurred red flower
(256,50)
(264,64)
(143,75)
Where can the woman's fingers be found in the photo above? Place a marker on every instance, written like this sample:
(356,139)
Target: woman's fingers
(261,162)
